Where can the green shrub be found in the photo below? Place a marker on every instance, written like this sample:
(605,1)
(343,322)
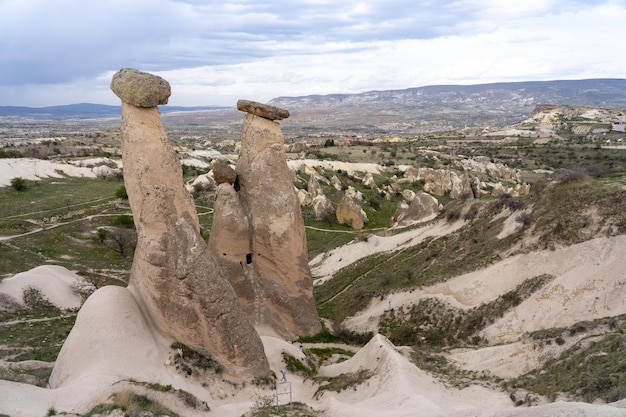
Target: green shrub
(19,184)
(434,323)
(191,360)
(10,153)
(121,192)
(124,220)
(296,366)
(341,382)
(588,372)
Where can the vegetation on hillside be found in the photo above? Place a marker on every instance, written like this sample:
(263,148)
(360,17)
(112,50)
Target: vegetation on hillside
(593,369)
(578,193)
(434,324)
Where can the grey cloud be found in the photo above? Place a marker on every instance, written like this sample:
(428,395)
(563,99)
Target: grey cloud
(62,40)
(48,42)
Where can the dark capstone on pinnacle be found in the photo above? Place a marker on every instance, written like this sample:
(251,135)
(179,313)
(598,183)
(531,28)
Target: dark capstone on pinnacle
(262,110)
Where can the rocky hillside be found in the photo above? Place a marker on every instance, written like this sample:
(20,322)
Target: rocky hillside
(488,261)
(448,106)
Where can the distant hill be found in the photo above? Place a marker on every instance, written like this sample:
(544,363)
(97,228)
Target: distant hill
(81,111)
(453,106)
(411,110)
(604,92)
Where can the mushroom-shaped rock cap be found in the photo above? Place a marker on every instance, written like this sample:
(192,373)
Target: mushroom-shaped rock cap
(140,89)
(262,110)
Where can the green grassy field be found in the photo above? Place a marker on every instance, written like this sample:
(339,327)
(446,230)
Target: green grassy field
(56,221)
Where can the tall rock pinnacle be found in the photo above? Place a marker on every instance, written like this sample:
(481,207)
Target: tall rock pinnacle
(269,267)
(174,276)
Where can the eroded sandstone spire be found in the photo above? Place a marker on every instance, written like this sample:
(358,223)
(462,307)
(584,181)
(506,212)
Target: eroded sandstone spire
(174,275)
(268,267)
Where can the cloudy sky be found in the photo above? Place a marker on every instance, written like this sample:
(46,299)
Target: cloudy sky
(215,52)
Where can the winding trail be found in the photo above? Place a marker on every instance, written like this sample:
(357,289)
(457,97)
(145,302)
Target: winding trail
(55,225)
(325,265)
(22,321)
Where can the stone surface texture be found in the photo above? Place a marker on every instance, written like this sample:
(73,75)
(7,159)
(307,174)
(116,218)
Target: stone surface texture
(323,208)
(368,181)
(223,173)
(272,278)
(174,276)
(442,181)
(254,271)
(140,89)
(349,212)
(422,207)
(265,111)
(313,187)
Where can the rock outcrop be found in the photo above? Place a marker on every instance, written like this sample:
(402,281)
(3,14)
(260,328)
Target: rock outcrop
(296,147)
(202,182)
(314,196)
(313,187)
(336,183)
(368,181)
(442,181)
(421,208)
(496,170)
(268,266)
(354,193)
(223,173)
(322,207)
(349,212)
(408,195)
(174,276)
(304,197)
(516,191)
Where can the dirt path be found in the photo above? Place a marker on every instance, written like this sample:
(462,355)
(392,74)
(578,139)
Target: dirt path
(23,321)
(325,265)
(57,208)
(55,225)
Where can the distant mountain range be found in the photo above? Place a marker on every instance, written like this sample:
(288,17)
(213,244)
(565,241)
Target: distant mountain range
(602,92)
(402,111)
(82,111)
(451,106)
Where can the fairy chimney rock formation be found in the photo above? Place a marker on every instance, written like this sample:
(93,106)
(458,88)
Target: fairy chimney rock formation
(174,276)
(273,279)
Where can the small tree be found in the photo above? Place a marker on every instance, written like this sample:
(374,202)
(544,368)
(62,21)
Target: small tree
(19,184)
(101,235)
(124,220)
(121,240)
